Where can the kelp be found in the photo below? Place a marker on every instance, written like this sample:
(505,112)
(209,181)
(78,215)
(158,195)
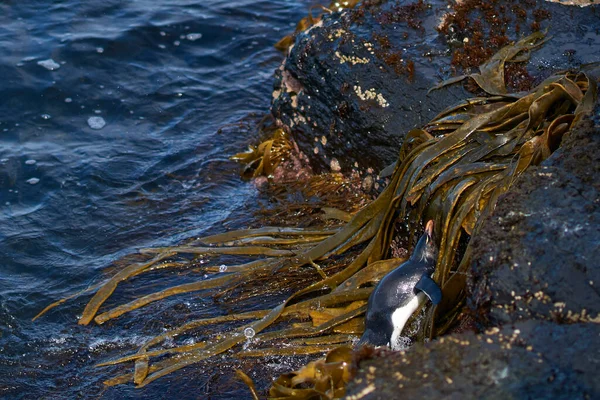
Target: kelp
(264,158)
(453,171)
(325,378)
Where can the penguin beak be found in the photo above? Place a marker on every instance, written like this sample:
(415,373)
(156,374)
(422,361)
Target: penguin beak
(429,229)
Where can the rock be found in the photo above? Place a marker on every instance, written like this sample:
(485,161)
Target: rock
(537,256)
(356,82)
(528,360)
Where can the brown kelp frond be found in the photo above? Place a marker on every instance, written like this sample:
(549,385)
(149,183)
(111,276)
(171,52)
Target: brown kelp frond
(325,378)
(248,381)
(264,158)
(491,74)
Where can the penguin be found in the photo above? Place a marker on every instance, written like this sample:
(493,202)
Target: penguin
(400,293)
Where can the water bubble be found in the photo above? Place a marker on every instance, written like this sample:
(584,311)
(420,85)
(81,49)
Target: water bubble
(193,36)
(49,64)
(97,111)
(68,100)
(32,181)
(249,333)
(30,162)
(46,116)
(99,50)
(96,122)
(222,268)
(162,46)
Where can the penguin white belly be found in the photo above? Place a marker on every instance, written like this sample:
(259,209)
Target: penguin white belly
(401,315)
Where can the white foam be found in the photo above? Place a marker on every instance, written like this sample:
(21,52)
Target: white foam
(49,64)
(96,122)
(193,36)
(33,181)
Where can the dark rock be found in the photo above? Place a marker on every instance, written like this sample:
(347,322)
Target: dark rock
(354,84)
(528,360)
(538,256)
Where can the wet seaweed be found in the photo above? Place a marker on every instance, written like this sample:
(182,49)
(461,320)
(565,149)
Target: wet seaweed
(453,171)
(264,158)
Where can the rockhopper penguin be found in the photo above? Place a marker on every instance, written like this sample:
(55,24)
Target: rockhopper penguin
(400,293)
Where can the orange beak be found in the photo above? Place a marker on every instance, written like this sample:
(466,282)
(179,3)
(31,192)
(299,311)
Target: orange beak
(429,228)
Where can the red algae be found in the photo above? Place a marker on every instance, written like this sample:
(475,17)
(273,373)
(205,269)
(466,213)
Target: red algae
(476,29)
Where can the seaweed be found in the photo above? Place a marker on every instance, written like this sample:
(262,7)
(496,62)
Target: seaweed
(264,158)
(491,73)
(453,171)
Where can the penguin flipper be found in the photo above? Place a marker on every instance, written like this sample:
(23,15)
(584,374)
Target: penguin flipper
(430,288)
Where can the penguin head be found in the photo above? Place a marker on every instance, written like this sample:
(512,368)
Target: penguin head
(426,249)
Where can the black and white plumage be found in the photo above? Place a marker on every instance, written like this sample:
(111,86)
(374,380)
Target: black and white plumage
(400,293)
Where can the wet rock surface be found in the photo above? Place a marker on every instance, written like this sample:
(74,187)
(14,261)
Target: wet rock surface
(527,360)
(355,83)
(538,256)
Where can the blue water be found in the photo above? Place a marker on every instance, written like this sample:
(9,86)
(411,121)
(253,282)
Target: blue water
(110,141)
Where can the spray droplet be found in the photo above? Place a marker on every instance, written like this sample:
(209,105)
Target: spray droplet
(222,268)
(193,36)
(249,333)
(96,122)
